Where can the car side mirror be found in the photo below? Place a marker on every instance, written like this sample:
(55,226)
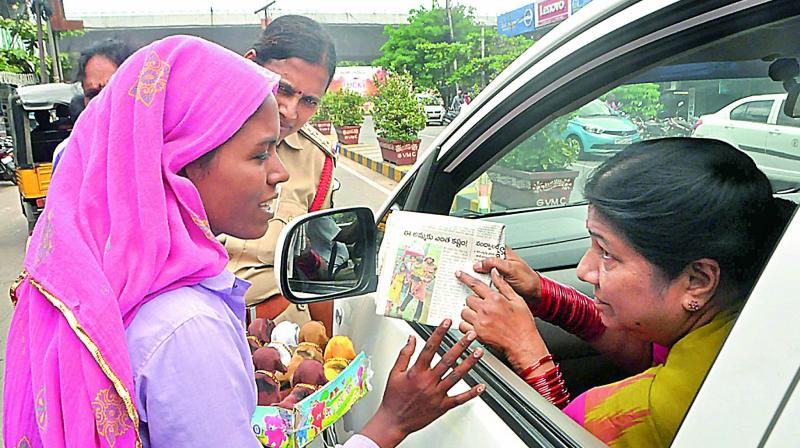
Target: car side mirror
(326,255)
(785,70)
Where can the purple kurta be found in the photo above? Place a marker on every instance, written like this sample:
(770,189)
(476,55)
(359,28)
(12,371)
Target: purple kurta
(193,372)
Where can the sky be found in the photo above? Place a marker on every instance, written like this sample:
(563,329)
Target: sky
(95,7)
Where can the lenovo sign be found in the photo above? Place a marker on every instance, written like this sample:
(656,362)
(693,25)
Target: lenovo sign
(550,11)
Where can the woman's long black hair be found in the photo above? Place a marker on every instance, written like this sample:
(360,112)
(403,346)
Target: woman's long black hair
(293,36)
(677,200)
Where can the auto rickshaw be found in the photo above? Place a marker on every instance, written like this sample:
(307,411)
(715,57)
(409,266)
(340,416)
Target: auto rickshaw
(38,120)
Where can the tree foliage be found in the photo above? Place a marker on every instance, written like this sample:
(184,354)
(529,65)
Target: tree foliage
(545,150)
(21,54)
(397,113)
(345,107)
(499,52)
(424,49)
(637,100)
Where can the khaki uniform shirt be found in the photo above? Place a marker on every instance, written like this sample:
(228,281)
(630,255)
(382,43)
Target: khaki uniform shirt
(303,153)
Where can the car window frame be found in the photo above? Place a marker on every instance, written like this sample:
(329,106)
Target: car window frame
(747,118)
(440,169)
(782,114)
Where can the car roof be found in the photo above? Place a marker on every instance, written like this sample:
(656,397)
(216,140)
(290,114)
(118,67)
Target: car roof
(46,96)
(773,96)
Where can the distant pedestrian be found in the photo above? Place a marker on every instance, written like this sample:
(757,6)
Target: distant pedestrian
(455,105)
(95,67)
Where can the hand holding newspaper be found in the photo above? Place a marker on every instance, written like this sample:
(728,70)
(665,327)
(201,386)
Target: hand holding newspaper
(419,256)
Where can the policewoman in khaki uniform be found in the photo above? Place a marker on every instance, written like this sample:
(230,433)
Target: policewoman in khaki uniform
(302,53)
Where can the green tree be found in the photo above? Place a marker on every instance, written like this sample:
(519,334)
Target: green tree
(20,52)
(397,113)
(423,47)
(637,100)
(19,55)
(545,150)
(499,52)
(345,107)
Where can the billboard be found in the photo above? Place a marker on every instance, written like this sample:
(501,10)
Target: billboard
(519,21)
(357,79)
(551,11)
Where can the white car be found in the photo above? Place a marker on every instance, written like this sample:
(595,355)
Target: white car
(759,126)
(712,52)
(434,110)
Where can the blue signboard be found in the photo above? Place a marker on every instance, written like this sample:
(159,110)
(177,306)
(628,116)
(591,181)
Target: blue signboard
(519,21)
(578,4)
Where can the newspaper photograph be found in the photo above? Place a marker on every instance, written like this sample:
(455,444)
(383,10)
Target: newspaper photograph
(419,256)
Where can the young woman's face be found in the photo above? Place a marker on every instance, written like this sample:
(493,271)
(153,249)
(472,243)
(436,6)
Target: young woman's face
(300,90)
(630,292)
(238,186)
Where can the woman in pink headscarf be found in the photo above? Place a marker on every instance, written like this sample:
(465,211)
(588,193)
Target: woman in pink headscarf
(126,321)
(127,330)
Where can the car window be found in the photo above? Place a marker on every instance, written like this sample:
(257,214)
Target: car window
(534,184)
(785,120)
(548,168)
(755,111)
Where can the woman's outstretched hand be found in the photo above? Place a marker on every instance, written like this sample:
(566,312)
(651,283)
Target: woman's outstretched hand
(415,396)
(502,320)
(516,273)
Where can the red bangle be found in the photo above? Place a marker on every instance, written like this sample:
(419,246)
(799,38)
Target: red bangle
(551,387)
(568,308)
(528,370)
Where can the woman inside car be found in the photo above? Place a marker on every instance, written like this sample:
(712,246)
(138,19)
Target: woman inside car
(680,230)
(127,329)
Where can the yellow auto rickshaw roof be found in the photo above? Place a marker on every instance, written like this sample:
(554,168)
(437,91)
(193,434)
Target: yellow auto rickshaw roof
(46,96)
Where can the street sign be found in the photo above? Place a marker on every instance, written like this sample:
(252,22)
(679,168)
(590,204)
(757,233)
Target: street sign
(519,21)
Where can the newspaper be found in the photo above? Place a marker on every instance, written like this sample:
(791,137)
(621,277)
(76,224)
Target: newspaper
(419,256)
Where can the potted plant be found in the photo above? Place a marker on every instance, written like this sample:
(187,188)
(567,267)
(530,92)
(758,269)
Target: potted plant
(537,172)
(322,117)
(398,119)
(347,114)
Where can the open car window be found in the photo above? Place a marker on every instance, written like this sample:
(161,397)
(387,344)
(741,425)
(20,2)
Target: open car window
(535,185)
(549,168)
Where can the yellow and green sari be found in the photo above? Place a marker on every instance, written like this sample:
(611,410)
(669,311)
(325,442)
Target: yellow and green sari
(645,410)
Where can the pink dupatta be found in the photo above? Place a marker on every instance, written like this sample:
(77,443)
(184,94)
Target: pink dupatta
(120,227)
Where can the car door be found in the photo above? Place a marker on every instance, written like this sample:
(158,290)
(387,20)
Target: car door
(747,127)
(607,45)
(782,151)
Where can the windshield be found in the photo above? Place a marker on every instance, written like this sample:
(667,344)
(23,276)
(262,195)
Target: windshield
(428,100)
(594,109)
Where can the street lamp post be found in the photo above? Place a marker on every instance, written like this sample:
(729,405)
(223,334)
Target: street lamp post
(452,37)
(266,15)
